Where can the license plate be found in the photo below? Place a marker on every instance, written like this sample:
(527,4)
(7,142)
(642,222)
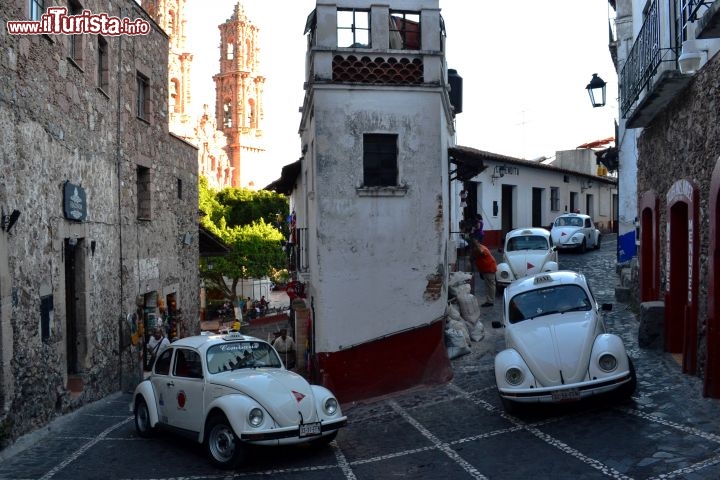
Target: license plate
(310,429)
(568,395)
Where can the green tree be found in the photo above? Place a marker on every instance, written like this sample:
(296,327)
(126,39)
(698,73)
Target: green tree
(252,224)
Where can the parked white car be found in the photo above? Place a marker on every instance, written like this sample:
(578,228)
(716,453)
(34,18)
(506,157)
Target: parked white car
(527,251)
(228,391)
(575,231)
(557,347)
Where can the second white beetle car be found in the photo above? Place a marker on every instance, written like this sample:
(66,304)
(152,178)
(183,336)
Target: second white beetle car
(228,391)
(575,231)
(557,347)
(527,251)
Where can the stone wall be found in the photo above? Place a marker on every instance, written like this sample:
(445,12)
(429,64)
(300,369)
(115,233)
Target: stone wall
(58,126)
(682,143)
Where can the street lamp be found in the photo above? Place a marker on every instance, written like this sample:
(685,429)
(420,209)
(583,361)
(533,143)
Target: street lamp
(596,88)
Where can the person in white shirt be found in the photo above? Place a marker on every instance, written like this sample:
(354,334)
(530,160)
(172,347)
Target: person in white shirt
(157,343)
(285,346)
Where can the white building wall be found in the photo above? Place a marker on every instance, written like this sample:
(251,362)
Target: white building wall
(373,256)
(628,21)
(524,179)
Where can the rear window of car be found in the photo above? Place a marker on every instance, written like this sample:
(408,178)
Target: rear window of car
(230,356)
(549,300)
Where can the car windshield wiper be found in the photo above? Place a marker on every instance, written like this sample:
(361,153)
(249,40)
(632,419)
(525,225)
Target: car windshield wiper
(549,312)
(575,309)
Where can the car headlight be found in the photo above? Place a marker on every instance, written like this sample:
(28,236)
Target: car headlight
(330,406)
(504,275)
(514,376)
(255,417)
(607,362)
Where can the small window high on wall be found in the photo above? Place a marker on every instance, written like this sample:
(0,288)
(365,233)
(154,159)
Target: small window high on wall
(353,28)
(380,160)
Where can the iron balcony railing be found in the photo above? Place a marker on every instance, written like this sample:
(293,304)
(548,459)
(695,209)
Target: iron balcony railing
(693,8)
(644,60)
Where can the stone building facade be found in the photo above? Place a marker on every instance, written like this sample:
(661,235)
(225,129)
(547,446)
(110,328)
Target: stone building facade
(99,213)
(680,222)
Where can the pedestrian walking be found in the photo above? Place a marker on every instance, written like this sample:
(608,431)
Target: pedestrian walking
(486,265)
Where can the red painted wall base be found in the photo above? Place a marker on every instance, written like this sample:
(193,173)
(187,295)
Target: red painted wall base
(391,364)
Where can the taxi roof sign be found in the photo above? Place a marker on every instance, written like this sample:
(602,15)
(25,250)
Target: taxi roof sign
(542,279)
(233,336)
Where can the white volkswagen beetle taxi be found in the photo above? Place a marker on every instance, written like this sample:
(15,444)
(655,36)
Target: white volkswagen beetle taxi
(228,391)
(557,347)
(527,251)
(575,231)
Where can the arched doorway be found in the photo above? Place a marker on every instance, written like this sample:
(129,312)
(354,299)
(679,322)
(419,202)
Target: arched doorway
(712,370)
(682,289)
(649,247)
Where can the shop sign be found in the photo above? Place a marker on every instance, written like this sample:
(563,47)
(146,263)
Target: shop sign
(74,202)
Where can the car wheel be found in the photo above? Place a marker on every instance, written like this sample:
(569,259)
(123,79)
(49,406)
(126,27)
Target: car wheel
(628,389)
(582,247)
(597,244)
(142,419)
(221,443)
(324,441)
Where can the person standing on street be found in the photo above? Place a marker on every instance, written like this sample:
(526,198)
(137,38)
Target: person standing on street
(285,345)
(157,343)
(486,265)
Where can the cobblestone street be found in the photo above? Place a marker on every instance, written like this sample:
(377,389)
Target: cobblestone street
(453,431)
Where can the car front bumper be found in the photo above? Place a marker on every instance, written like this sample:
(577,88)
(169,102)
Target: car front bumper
(291,432)
(563,393)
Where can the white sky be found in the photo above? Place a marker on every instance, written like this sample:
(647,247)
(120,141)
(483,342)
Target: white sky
(524,64)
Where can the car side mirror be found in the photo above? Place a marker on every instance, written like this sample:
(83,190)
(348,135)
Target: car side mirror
(496,324)
(606,307)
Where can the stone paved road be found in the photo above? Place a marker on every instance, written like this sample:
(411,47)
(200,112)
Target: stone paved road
(454,431)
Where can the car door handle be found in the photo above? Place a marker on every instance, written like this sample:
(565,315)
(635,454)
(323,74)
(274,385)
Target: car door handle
(170,383)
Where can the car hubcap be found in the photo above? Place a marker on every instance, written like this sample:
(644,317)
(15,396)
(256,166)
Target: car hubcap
(222,443)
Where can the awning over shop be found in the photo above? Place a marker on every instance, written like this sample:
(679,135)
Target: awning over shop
(469,162)
(211,245)
(286,183)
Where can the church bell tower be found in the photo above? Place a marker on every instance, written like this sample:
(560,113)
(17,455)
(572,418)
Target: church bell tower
(239,94)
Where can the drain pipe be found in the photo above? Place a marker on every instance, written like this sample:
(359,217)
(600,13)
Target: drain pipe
(118,159)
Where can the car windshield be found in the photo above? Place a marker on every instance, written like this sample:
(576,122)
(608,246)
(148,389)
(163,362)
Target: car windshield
(230,356)
(546,301)
(569,222)
(526,242)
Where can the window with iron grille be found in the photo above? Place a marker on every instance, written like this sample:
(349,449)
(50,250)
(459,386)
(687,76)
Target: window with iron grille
(75,42)
(102,63)
(404,30)
(380,163)
(143,96)
(37,8)
(554,199)
(353,28)
(144,191)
